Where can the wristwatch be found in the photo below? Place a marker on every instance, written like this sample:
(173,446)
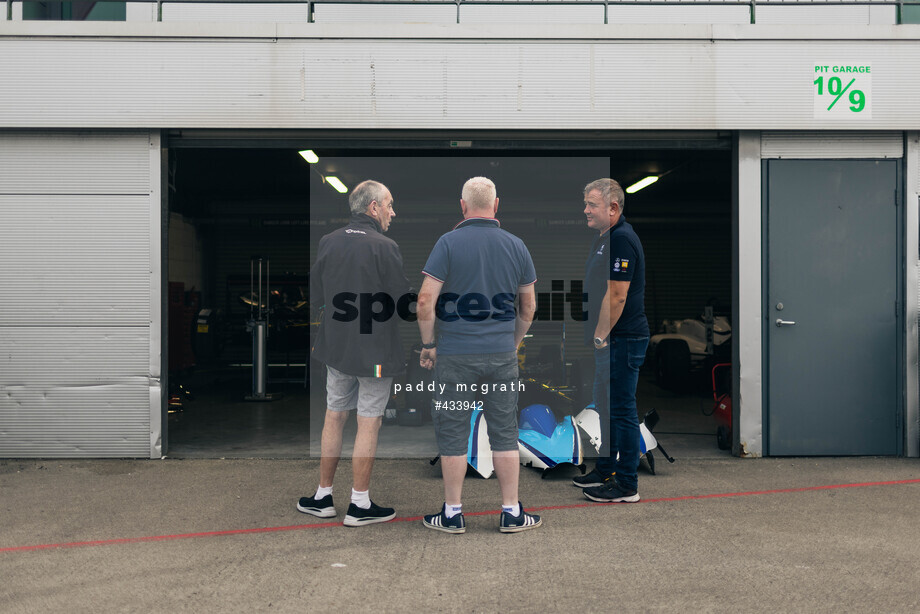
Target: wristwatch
(598,342)
(429,346)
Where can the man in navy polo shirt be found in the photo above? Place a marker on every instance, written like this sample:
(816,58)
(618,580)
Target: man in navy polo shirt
(618,330)
(474,277)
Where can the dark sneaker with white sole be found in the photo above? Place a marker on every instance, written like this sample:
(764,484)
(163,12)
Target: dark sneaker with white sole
(591,479)
(612,493)
(317,507)
(440,522)
(358,517)
(515,524)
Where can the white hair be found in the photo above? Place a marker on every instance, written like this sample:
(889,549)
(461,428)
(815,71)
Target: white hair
(479,193)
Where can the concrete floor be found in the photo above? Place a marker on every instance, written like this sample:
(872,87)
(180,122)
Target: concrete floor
(711,535)
(218,423)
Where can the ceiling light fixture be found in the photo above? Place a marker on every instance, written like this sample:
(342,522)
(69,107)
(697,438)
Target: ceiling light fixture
(309,156)
(336,184)
(644,183)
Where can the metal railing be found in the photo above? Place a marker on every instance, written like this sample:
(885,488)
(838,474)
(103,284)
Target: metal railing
(310,4)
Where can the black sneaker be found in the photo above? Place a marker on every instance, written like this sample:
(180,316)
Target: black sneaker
(440,522)
(515,524)
(591,479)
(358,517)
(612,493)
(318,507)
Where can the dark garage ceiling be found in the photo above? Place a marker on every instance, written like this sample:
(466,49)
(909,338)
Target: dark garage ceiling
(207,182)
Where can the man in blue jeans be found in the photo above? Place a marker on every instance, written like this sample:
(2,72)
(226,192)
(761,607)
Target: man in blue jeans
(479,286)
(618,330)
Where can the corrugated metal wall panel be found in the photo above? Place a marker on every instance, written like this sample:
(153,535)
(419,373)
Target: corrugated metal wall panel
(383,13)
(883,15)
(508,13)
(74,391)
(623,13)
(72,355)
(74,164)
(245,13)
(832,145)
(79,323)
(772,14)
(418,84)
(141,11)
(75,260)
(153,77)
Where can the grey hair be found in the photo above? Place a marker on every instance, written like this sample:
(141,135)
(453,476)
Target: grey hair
(610,191)
(364,194)
(479,193)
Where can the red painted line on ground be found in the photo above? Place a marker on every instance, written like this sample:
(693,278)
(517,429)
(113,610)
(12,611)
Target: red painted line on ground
(325,525)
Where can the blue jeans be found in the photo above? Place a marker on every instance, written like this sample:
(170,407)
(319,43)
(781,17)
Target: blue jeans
(616,375)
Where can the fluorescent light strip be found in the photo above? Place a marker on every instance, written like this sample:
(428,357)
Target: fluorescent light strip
(309,156)
(641,184)
(336,184)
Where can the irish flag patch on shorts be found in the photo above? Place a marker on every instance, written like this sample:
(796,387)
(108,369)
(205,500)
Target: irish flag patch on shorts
(378,370)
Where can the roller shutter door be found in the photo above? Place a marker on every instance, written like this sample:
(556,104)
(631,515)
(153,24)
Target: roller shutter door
(80,316)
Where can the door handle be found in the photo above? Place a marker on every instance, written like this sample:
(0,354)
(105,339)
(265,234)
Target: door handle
(780,322)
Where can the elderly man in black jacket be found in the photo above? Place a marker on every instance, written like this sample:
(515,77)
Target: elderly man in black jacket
(358,279)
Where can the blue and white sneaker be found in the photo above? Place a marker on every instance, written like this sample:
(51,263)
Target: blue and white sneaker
(323,508)
(515,524)
(440,522)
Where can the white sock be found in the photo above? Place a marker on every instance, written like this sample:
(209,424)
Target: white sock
(361,498)
(514,510)
(322,491)
(452,510)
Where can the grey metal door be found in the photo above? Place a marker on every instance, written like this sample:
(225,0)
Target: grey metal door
(832,324)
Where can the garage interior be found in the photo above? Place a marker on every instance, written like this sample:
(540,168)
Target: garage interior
(231,204)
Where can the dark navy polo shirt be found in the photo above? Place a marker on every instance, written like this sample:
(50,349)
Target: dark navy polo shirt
(617,255)
(482,267)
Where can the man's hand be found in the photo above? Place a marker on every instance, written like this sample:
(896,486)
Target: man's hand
(428,358)
(425,309)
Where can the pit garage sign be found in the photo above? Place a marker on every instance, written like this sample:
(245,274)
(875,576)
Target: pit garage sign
(843,90)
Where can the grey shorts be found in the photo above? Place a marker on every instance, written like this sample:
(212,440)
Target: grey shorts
(462,375)
(368,394)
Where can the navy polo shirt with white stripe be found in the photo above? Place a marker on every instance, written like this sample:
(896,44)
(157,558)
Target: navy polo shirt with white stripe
(482,267)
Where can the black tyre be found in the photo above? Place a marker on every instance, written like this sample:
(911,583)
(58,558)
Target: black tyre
(723,438)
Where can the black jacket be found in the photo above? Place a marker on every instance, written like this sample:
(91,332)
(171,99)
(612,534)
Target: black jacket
(356,266)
